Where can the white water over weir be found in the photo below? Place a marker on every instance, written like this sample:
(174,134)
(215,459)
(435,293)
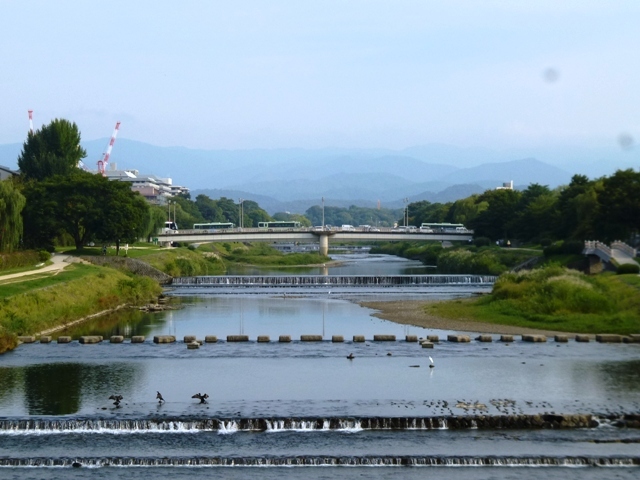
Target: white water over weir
(333,280)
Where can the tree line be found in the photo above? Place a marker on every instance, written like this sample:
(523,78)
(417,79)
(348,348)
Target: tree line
(605,209)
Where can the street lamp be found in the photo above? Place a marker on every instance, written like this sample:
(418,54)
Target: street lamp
(322,213)
(240,213)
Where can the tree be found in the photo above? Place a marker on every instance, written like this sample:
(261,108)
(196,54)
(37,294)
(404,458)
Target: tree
(124,214)
(53,150)
(209,209)
(498,219)
(11,204)
(85,206)
(252,214)
(620,205)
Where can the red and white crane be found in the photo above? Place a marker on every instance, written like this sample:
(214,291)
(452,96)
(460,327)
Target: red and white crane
(102,163)
(30,121)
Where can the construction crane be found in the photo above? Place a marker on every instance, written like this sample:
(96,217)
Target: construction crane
(30,121)
(102,163)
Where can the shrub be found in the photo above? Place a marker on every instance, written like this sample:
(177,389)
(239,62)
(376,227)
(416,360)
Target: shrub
(44,256)
(570,247)
(482,242)
(628,268)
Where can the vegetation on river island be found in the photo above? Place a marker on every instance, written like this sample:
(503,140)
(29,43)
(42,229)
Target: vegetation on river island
(554,298)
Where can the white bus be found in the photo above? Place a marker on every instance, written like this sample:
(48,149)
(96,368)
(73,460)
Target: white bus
(443,227)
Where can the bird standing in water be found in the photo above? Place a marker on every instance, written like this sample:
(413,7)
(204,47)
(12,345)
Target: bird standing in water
(431,360)
(201,397)
(159,397)
(116,399)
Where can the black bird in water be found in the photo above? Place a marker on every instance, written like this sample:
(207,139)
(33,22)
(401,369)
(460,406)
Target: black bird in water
(203,398)
(350,356)
(116,399)
(159,397)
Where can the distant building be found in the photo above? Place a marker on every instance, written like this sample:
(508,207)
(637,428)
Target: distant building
(156,190)
(7,173)
(506,186)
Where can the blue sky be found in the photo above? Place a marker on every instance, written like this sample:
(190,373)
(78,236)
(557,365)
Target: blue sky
(331,73)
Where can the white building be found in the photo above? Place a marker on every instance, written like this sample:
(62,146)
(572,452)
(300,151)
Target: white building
(506,186)
(155,189)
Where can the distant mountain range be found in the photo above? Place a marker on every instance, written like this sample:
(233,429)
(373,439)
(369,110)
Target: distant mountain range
(295,179)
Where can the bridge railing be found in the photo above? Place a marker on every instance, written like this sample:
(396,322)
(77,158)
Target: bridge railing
(373,230)
(593,245)
(623,247)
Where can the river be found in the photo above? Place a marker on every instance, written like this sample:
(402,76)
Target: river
(302,409)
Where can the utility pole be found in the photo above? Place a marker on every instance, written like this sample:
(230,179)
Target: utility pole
(406,211)
(322,213)
(30,121)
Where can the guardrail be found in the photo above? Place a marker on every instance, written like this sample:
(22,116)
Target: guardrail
(399,230)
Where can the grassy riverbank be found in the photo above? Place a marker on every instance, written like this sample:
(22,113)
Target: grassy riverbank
(464,259)
(30,306)
(554,298)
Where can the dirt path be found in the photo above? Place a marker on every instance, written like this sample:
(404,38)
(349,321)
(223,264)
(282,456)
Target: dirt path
(59,263)
(412,313)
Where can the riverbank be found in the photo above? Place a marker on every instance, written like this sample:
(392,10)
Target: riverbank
(78,292)
(548,300)
(413,312)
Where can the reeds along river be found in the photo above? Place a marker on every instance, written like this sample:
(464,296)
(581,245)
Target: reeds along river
(301,410)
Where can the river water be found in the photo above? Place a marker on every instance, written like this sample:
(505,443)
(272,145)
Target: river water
(302,409)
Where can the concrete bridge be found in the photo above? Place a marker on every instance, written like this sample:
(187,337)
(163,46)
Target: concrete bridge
(311,235)
(619,251)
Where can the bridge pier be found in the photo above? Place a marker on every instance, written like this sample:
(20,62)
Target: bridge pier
(324,245)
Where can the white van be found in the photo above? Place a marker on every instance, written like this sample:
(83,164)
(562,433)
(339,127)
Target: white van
(348,228)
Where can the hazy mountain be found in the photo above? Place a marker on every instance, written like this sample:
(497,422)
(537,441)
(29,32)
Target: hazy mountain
(294,179)
(534,171)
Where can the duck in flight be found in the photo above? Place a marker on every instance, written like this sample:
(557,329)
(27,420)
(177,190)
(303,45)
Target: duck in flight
(201,397)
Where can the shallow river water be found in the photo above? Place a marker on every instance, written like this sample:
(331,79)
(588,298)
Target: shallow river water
(302,409)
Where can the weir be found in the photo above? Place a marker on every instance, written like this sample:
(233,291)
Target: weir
(333,280)
(327,461)
(317,424)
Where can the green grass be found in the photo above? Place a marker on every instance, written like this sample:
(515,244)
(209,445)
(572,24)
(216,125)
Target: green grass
(264,255)
(73,294)
(553,298)
(23,285)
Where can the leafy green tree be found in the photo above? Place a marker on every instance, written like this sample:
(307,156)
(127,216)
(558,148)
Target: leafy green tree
(427,212)
(537,214)
(124,214)
(252,214)
(620,205)
(85,206)
(466,210)
(11,204)
(53,150)
(155,221)
(209,209)
(497,221)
